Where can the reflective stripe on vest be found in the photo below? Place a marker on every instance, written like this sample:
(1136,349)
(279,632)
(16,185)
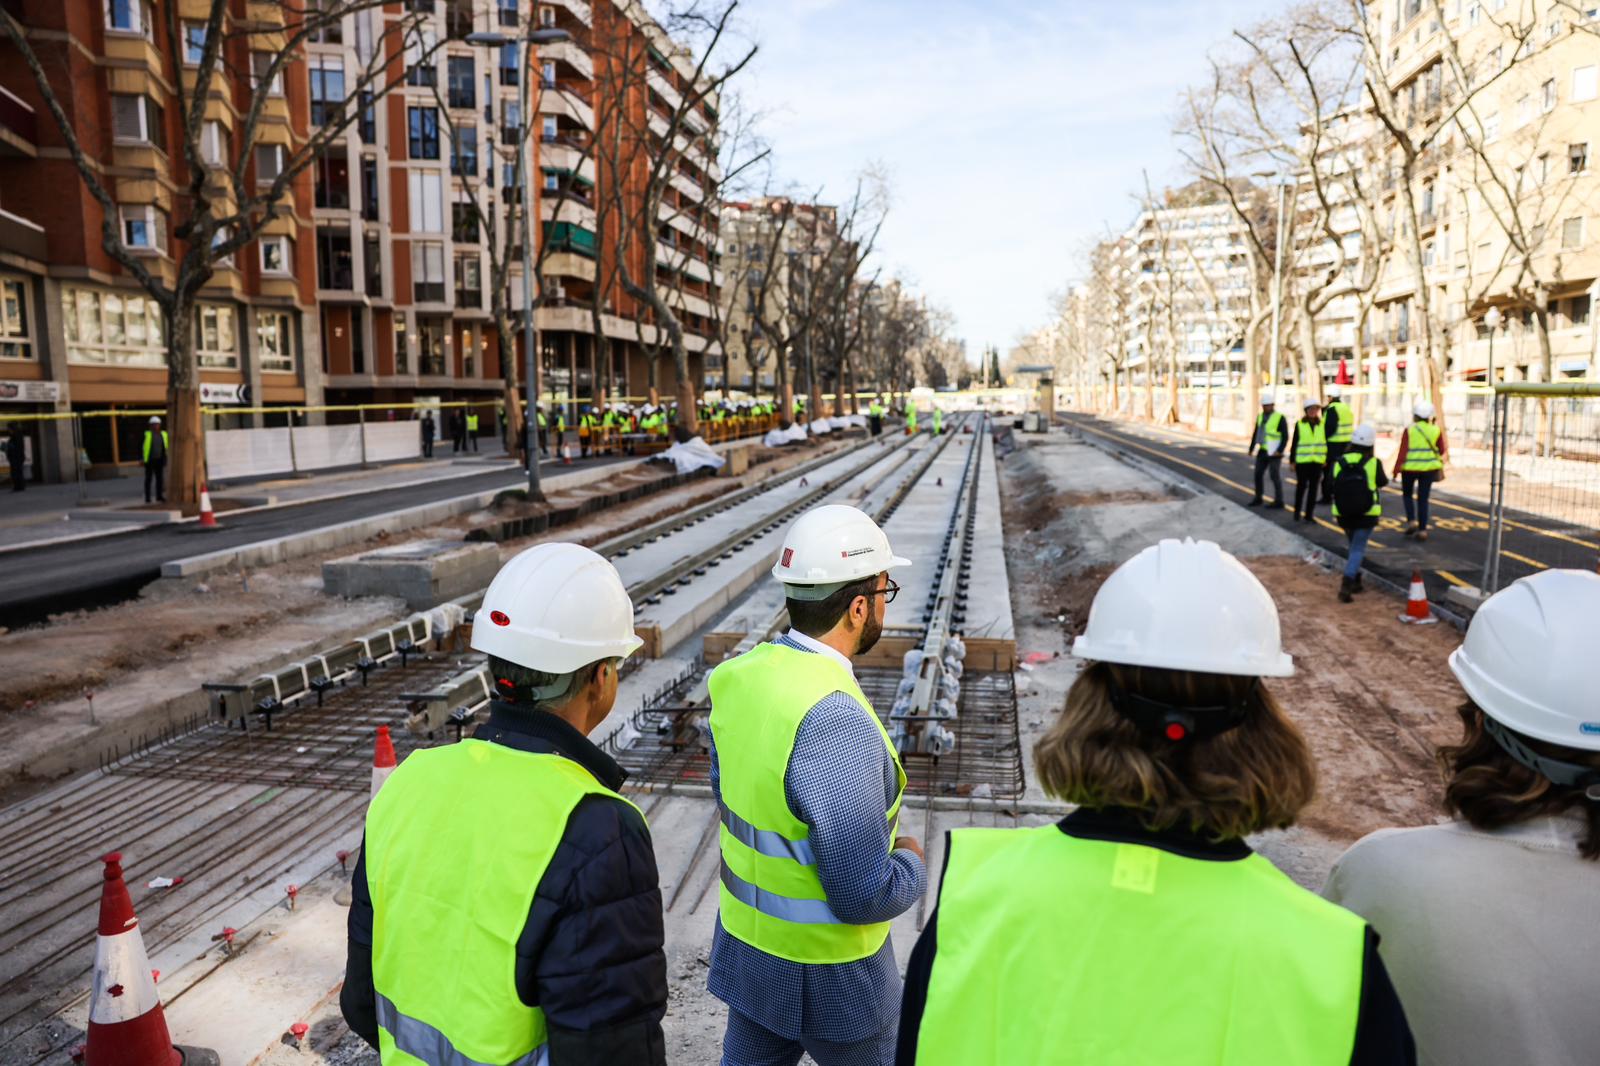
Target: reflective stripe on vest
(1276,426)
(450,898)
(1310,443)
(1370,462)
(771,895)
(1422,448)
(1347,422)
(1055,949)
(423,1043)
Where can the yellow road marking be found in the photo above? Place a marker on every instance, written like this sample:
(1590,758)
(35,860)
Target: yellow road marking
(1448,576)
(1524,559)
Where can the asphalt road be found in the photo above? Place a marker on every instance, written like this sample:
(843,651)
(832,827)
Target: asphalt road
(37,582)
(1458,526)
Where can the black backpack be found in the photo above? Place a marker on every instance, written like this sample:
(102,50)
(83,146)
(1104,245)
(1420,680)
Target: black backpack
(1352,496)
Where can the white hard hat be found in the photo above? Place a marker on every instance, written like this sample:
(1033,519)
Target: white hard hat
(833,545)
(1423,409)
(555,608)
(1312,401)
(1267,399)
(1334,392)
(1364,435)
(154,421)
(1528,659)
(1186,605)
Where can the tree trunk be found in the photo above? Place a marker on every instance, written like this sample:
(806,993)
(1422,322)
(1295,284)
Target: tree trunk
(1252,370)
(1311,385)
(186,459)
(1544,434)
(510,364)
(1211,381)
(688,413)
(1172,385)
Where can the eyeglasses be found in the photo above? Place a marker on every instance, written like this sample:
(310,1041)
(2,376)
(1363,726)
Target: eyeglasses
(888,592)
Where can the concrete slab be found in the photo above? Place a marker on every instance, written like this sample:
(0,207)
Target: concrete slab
(423,573)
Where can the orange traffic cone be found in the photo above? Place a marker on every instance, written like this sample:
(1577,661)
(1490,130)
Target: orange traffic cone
(126,1024)
(208,517)
(383,760)
(1418,613)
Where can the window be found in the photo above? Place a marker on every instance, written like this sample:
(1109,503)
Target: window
(1524,110)
(427,201)
(552,182)
(420,7)
(144,227)
(275,341)
(15,340)
(327,90)
(427,271)
(1491,129)
(213,139)
(110,327)
(551,130)
(260,64)
(214,341)
(424,126)
(335,263)
(1544,168)
(326,26)
(1578,311)
(463,78)
(130,16)
(1577,158)
(1572,232)
(547,16)
(432,335)
(421,66)
(469,281)
(194,42)
(1585,83)
(367,120)
(364,52)
(508,64)
(276,255)
(1547,96)
(138,118)
(372,263)
(218,239)
(332,184)
(548,74)
(464,151)
(463,224)
(369,189)
(507,12)
(510,122)
(269,163)
(1428,254)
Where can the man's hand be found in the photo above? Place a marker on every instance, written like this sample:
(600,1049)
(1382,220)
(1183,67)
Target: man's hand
(910,844)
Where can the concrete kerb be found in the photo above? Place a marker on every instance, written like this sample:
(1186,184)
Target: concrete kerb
(1315,553)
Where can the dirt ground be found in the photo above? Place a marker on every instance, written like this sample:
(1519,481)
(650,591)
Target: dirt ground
(1373,696)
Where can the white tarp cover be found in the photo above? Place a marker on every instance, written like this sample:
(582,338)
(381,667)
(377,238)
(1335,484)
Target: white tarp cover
(388,441)
(316,447)
(796,433)
(819,426)
(775,438)
(232,453)
(692,455)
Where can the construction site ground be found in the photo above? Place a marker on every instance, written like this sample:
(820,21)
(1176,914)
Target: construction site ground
(1372,696)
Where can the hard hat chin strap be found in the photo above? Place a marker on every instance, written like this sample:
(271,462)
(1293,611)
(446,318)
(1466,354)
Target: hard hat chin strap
(1175,722)
(1559,771)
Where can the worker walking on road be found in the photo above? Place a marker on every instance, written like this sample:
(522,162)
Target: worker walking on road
(911,418)
(472,428)
(1141,928)
(1491,921)
(809,785)
(428,430)
(1357,478)
(153,453)
(1418,463)
(875,416)
(506,907)
(1271,433)
(938,422)
(1309,447)
(1341,423)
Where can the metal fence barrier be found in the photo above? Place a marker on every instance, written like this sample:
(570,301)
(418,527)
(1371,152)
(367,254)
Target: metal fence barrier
(1544,478)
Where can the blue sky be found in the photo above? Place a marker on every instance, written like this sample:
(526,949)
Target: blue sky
(1013,131)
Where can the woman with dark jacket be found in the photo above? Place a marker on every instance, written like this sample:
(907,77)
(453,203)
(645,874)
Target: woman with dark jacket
(1358,479)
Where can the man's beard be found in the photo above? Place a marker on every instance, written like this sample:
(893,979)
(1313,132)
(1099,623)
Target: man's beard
(870,632)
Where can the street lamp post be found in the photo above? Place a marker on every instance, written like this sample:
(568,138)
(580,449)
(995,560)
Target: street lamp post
(1493,320)
(530,332)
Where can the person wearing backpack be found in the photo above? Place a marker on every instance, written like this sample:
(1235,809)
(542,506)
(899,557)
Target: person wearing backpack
(1309,447)
(1357,477)
(1418,463)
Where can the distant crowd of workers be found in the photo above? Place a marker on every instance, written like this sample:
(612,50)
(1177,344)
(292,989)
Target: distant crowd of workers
(1335,458)
(507,906)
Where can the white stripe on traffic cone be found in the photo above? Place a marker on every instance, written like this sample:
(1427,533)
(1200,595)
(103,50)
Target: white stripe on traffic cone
(126,1024)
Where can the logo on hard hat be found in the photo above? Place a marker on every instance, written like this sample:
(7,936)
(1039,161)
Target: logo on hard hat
(788,554)
(854,552)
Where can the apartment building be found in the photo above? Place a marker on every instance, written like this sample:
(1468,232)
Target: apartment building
(1514,229)
(1188,276)
(77,333)
(788,239)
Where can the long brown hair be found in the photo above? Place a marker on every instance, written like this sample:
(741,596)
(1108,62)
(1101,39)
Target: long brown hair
(1258,775)
(1489,789)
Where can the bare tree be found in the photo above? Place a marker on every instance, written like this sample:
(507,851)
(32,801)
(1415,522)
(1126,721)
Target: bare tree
(223,202)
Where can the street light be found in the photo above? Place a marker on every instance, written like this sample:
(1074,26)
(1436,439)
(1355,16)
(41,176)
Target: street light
(1493,320)
(530,334)
(1277,271)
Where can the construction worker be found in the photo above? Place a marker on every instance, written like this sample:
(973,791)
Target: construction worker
(153,453)
(1309,448)
(1489,920)
(1418,463)
(911,418)
(429,429)
(544,425)
(875,416)
(1357,477)
(1142,928)
(1341,423)
(938,422)
(561,430)
(1267,442)
(472,427)
(506,906)
(809,785)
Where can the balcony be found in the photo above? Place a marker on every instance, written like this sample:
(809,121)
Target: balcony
(19,127)
(563,156)
(565,237)
(572,56)
(21,236)
(578,9)
(568,104)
